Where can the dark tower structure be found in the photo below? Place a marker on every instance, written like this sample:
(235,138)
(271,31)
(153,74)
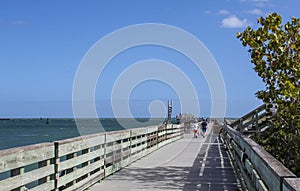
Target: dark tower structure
(169,111)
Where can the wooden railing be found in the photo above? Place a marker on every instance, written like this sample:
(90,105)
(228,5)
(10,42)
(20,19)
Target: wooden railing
(258,169)
(77,163)
(253,121)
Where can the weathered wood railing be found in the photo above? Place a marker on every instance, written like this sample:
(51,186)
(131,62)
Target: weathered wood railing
(251,122)
(258,169)
(77,163)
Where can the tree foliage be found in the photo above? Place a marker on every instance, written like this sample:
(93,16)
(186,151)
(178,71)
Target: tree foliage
(275,52)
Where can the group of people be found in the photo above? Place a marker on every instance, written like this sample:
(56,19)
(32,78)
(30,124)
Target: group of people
(203,128)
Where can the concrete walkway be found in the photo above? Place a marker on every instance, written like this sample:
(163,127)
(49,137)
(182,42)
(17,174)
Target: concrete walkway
(188,164)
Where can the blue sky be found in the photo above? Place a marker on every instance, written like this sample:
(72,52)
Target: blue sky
(43,42)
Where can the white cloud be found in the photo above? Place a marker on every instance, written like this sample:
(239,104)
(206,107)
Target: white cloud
(234,22)
(255,12)
(224,12)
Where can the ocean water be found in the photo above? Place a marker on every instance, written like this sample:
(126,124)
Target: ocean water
(21,132)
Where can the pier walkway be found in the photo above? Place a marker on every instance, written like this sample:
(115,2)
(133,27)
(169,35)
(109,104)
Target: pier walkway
(188,164)
(164,157)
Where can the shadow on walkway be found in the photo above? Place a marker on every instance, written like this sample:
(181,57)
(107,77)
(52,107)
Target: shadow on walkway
(211,170)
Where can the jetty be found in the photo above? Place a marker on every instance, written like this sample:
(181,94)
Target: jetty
(188,164)
(163,157)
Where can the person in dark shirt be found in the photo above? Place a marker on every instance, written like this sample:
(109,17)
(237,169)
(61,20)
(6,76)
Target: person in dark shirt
(204,127)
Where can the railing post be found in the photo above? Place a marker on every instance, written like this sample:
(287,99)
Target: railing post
(241,125)
(104,154)
(130,144)
(256,120)
(156,142)
(56,163)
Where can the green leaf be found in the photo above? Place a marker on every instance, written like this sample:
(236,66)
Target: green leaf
(275,54)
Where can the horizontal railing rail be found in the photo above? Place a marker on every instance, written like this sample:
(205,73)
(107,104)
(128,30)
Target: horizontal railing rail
(253,121)
(77,163)
(259,170)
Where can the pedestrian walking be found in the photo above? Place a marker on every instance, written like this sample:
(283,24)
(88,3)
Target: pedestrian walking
(195,128)
(204,127)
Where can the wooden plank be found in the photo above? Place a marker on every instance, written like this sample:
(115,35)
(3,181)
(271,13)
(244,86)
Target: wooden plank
(138,141)
(246,178)
(117,136)
(170,136)
(63,180)
(161,144)
(125,162)
(151,149)
(125,154)
(140,154)
(137,156)
(179,126)
(261,186)
(73,145)
(270,170)
(113,168)
(23,179)
(237,149)
(161,139)
(109,160)
(177,134)
(87,182)
(23,156)
(291,184)
(168,141)
(110,170)
(249,115)
(152,136)
(138,148)
(125,145)
(151,143)
(44,187)
(109,149)
(138,132)
(256,179)
(177,130)
(115,157)
(152,129)
(112,148)
(161,133)
(162,126)
(73,162)
(169,126)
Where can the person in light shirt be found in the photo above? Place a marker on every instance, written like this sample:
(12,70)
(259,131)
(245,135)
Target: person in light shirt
(195,128)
